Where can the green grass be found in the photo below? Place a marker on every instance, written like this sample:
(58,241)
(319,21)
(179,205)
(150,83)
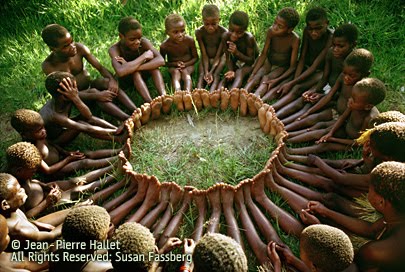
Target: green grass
(94,23)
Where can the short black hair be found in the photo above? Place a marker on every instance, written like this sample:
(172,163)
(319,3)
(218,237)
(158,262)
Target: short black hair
(315,14)
(389,140)
(374,88)
(52,33)
(53,80)
(361,59)
(210,10)
(290,15)
(239,18)
(347,31)
(127,24)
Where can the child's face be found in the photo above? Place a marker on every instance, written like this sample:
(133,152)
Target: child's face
(17,195)
(280,27)
(211,24)
(236,31)
(177,31)
(38,133)
(341,47)
(132,39)
(359,100)
(317,29)
(374,198)
(350,75)
(66,46)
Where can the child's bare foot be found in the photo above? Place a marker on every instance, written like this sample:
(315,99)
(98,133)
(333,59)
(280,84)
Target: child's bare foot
(178,100)
(227,195)
(197,99)
(156,106)
(257,188)
(243,95)
(215,98)
(312,159)
(136,118)
(127,149)
(262,115)
(167,103)
(214,197)
(274,127)
(234,100)
(205,97)
(224,99)
(188,101)
(251,99)
(200,200)
(176,194)
(269,118)
(146,112)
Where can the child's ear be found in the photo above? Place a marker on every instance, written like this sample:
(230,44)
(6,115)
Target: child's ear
(4,205)
(121,36)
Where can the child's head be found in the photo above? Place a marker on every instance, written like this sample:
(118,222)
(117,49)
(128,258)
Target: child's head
(12,196)
(29,124)
(53,80)
(344,40)
(217,252)
(366,94)
(134,239)
(175,27)
(59,40)
(286,20)
(4,237)
(317,22)
(210,16)
(387,142)
(386,117)
(23,160)
(325,248)
(357,65)
(86,223)
(130,32)
(387,187)
(238,23)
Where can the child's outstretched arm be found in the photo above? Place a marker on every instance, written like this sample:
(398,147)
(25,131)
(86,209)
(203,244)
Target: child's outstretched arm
(263,55)
(339,123)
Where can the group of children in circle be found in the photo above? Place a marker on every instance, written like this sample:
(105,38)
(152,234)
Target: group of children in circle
(323,95)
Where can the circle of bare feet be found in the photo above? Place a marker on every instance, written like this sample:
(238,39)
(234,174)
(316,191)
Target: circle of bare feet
(170,210)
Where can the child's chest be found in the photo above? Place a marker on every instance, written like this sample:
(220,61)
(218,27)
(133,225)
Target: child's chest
(281,44)
(178,51)
(345,94)
(355,123)
(73,65)
(49,153)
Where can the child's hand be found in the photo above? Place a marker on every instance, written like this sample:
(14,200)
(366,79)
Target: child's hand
(106,96)
(189,246)
(54,195)
(180,65)
(148,55)
(120,60)
(284,89)
(285,252)
(208,78)
(75,156)
(273,255)
(113,86)
(307,218)
(324,138)
(229,75)
(68,88)
(270,83)
(231,47)
(171,243)
(315,207)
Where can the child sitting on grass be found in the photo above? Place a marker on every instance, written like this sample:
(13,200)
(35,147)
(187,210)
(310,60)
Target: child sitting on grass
(181,52)
(343,42)
(55,160)
(240,49)
(387,195)
(136,239)
(67,56)
(209,40)
(322,248)
(316,41)
(61,128)
(134,57)
(278,59)
(366,94)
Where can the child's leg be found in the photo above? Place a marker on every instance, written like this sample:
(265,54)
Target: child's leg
(158,81)
(153,215)
(176,77)
(102,195)
(217,74)
(318,148)
(177,220)
(214,197)
(240,75)
(132,189)
(65,137)
(141,87)
(256,244)
(257,78)
(263,89)
(200,201)
(55,218)
(86,164)
(286,221)
(309,120)
(102,84)
(293,117)
(186,77)
(309,136)
(200,82)
(102,153)
(291,164)
(296,91)
(227,196)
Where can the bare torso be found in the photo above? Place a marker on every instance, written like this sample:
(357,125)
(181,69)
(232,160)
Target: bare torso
(178,52)
(280,49)
(344,95)
(210,41)
(358,121)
